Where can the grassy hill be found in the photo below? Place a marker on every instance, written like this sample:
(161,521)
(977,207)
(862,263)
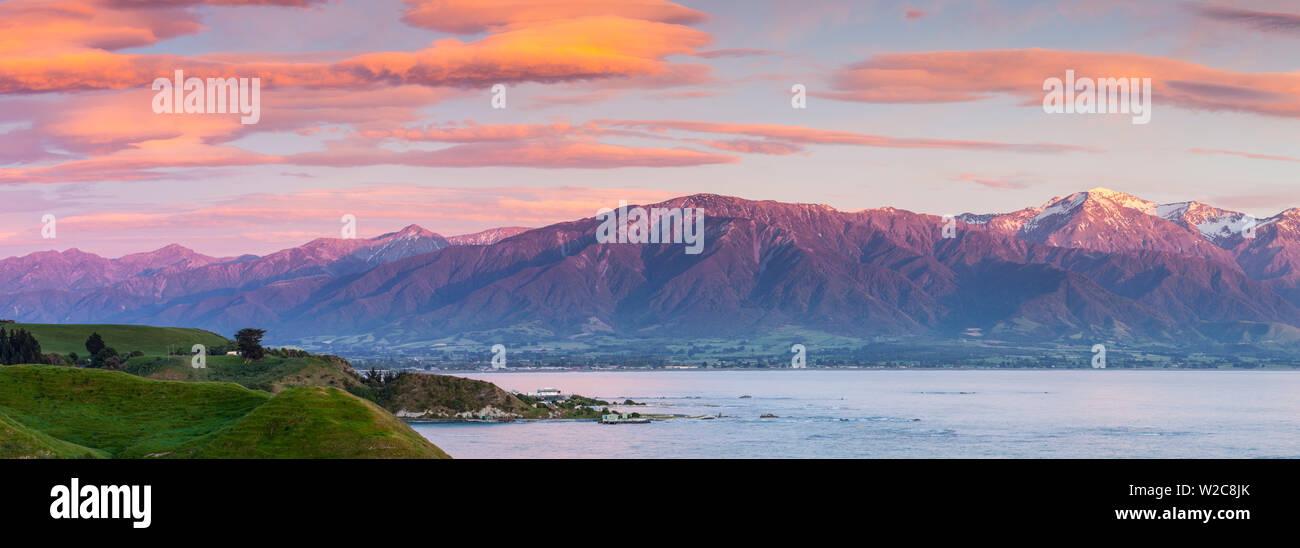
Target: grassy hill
(272,374)
(153,341)
(339,425)
(18,441)
(50,411)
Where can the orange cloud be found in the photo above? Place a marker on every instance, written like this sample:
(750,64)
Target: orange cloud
(65,52)
(475,16)
(576,49)
(70,46)
(950,76)
(61,26)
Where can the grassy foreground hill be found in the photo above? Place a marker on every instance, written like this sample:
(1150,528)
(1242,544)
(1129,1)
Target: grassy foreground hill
(51,411)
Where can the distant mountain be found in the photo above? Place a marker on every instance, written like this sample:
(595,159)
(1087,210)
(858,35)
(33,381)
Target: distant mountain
(76,269)
(1100,265)
(1106,220)
(74,286)
(406,242)
(487,237)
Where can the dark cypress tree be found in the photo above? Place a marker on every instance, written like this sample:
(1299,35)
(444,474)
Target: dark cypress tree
(19,346)
(32,348)
(94,344)
(6,353)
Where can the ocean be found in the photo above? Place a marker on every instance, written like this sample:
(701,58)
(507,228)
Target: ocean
(905,413)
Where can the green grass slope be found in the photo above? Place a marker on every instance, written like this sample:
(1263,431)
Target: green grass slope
(51,411)
(271,374)
(153,341)
(18,442)
(315,422)
(118,413)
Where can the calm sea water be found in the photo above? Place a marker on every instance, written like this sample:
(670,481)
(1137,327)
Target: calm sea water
(872,414)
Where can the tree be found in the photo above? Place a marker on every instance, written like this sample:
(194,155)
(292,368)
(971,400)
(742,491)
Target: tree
(249,341)
(102,358)
(19,346)
(94,344)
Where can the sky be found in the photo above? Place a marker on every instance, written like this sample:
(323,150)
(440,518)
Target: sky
(384,110)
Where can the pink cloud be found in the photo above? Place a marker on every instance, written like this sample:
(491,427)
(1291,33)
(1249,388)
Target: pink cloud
(752,146)
(1000,182)
(805,135)
(951,76)
(536,154)
(1245,154)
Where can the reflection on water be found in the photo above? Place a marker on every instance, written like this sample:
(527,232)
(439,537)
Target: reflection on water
(906,414)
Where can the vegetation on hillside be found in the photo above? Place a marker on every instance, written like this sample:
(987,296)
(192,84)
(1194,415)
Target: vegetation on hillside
(440,396)
(66,339)
(272,373)
(19,346)
(249,341)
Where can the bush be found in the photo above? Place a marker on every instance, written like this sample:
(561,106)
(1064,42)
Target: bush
(100,359)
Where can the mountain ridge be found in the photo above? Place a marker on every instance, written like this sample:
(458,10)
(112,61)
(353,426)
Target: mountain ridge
(1097,263)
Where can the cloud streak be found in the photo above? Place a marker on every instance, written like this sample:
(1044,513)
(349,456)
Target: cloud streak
(1284,23)
(956,76)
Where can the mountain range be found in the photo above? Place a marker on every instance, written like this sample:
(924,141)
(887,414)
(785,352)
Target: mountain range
(1093,265)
